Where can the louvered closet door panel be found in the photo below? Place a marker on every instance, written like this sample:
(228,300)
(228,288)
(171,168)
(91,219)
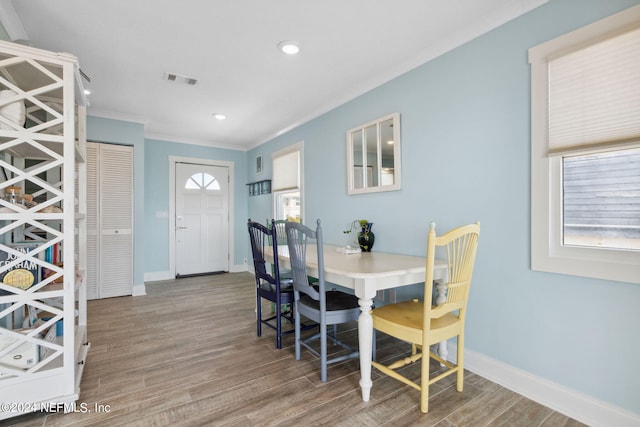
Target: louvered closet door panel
(115,218)
(115,274)
(92,220)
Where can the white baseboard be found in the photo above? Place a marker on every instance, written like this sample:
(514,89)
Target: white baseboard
(155,276)
(238,268)
(569,402)
(138,290)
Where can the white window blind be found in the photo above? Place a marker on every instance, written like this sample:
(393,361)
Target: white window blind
(594,99)
(286,171)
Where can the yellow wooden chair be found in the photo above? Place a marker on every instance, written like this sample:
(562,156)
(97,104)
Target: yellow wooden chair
(423,324)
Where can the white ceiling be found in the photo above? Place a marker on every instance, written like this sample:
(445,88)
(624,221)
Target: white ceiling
(348,48)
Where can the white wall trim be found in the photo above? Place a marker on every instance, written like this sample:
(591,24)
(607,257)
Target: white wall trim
(238,268)
(138,290)
(569,402)
(155,276)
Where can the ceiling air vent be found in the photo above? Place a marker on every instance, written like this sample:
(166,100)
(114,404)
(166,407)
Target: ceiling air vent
(177,78)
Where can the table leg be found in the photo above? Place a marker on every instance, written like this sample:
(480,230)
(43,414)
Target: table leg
(441,297)
(365,339)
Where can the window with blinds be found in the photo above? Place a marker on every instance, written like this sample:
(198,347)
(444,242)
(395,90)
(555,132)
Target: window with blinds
(585,150)
(594,108)
(286,183)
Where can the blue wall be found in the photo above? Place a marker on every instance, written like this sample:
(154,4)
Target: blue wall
(127,133)
(465,132)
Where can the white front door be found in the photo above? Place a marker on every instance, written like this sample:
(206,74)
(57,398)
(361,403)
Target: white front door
(202,219)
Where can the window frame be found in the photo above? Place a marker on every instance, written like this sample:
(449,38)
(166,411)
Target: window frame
(297,147)
(548,254)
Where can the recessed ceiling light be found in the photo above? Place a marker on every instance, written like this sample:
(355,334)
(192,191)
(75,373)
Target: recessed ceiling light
(289,47)
(219,116)
(87,92)
(390,142)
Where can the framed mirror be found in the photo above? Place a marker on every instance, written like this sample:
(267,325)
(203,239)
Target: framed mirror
(373,156)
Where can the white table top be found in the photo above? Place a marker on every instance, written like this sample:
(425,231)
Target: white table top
(382,270)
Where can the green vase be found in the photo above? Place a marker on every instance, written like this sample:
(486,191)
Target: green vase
(366,237)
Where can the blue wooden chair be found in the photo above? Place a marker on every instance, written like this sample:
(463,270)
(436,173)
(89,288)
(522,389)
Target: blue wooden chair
(314,301)
(270,286)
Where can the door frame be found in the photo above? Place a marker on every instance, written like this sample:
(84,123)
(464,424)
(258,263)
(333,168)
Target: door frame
(172,205)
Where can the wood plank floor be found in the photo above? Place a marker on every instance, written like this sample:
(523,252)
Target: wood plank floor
(187,354)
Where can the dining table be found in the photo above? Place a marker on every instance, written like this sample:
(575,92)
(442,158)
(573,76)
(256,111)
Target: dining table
(366,273)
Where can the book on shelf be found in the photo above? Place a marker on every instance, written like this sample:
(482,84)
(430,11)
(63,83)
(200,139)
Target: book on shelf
(22,274)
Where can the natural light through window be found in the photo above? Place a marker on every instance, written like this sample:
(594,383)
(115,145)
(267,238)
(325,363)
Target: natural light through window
(602,199)
(288,205)
(201,180)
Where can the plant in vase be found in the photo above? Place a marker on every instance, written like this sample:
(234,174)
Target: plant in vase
(365,237)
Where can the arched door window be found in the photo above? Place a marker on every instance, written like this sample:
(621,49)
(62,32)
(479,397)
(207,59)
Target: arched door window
(202,181)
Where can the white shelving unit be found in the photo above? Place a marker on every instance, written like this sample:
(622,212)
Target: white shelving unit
(43,324)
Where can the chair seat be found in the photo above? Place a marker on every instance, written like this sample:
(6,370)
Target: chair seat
(336,300)
(405,319)
(284,287)
(268,291)
(341,307)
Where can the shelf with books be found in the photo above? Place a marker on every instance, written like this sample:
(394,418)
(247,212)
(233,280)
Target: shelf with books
(42,226)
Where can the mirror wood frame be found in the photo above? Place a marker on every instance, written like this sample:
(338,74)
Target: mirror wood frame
(366,138)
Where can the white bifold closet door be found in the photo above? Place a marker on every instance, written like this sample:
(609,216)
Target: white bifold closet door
(109,220)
